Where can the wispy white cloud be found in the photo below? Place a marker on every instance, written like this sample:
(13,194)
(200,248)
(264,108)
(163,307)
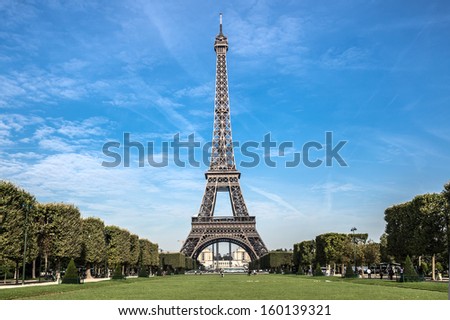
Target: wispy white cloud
(78,129)
(15,12)
(334,187)
(278,200)
(56,144)
(43,131)
(353,57)
(258,35)
(204,90)
(12,124)
(36,85)
(408,149)
(27,132)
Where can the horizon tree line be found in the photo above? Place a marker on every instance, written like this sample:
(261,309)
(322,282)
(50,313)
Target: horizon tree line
(419,228)
(45,236)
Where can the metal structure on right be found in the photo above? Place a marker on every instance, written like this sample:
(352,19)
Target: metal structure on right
(222,176)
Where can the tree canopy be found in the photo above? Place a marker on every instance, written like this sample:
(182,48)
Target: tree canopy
(56,233)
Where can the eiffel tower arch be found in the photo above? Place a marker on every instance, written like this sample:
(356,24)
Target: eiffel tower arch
(222,176)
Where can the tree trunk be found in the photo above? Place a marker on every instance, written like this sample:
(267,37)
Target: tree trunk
(433,267)
(88,271)
(58,270)
(16,272)
(33,270)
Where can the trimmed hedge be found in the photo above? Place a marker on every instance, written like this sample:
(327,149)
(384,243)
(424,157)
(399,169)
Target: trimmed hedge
(71,275)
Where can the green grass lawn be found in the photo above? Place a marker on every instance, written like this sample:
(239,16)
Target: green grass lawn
(234,287)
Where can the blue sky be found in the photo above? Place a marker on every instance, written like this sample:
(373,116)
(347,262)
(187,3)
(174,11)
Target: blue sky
(75,75)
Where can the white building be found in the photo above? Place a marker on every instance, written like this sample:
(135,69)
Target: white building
(240,259)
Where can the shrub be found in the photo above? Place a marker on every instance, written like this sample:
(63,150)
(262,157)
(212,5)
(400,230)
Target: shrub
(143,272)
(424,268)
(300,271)
(318,271)
(71,275)
(118,273)
(409,273)
(349,273)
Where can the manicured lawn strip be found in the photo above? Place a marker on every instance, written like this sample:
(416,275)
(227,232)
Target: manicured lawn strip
(233,287)
(36,292)
(425,285)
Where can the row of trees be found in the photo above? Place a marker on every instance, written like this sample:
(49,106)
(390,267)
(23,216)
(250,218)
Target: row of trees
(49,235)
(334,250)
(420,228)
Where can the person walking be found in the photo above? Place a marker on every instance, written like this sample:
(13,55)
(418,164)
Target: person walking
(369,273)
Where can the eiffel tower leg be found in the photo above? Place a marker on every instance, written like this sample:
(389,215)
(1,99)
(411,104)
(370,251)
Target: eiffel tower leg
(209,200)
(229,252)
(237,201)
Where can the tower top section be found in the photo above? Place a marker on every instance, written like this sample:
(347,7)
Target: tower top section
(221,42)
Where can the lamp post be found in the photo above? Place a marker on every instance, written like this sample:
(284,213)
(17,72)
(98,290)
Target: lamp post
(354,243)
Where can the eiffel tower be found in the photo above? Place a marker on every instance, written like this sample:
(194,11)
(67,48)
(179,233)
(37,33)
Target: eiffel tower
(222,176)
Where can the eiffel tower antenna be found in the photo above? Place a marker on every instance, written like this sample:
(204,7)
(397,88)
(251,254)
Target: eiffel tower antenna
(239,227)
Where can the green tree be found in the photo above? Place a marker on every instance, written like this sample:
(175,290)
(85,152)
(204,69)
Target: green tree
(71,274)
(398,230)
(318,271)
(134,252)
(304,254)
(93,245)
(154,254)
(118,273)
(372,253)
(144,257)
(409,273)
(333,248)
(118,246)
(384,256)
(432,231)
(149,255)
(17,213)
(64,226)
(45,233)
(446,195)
(349,273)
(416,227)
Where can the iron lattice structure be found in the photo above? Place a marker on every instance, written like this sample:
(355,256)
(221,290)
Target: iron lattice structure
(222,176)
